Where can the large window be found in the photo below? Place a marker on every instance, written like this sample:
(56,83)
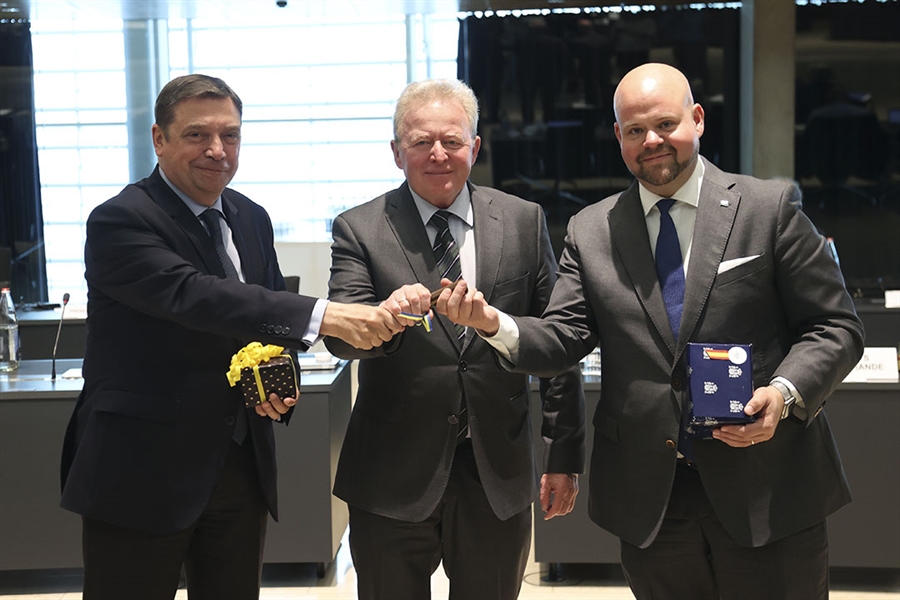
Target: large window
(318,100)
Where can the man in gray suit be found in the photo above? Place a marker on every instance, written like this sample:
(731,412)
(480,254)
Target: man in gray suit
(438,464)
(743,514)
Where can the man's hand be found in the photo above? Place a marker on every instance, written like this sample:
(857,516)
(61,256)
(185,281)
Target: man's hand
(766,404)
(275,407)
(467,307)
(558,492)
(359,325)
(412,299)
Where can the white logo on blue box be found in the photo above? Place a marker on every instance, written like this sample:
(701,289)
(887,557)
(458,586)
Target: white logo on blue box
(720,383)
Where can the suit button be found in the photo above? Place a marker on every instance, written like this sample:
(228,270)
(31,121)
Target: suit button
(670,444)
(270,329)
(278,329)
(452,419)
(229,421)
(285,330)
(677,383)
(463,366)
(262,328)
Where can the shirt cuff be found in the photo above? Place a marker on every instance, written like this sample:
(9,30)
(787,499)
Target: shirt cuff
(799,406)
(506,340)
(311,336)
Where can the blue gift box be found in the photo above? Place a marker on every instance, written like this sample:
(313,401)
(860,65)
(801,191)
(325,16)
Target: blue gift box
(720,383)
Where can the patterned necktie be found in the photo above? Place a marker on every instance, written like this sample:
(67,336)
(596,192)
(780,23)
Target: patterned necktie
(446,255)
(212,218)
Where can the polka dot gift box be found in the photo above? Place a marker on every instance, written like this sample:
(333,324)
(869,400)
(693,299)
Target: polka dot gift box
(263,370)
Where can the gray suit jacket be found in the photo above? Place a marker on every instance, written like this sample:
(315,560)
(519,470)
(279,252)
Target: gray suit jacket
(401,438)
(789,303)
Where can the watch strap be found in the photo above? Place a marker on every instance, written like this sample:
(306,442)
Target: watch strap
(789,398)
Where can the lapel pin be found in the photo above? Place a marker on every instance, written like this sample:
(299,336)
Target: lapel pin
(724,203)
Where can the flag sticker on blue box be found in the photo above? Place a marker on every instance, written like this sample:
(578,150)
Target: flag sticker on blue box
(720,383)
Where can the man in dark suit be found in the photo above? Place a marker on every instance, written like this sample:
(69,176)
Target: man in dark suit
(161,459)
(741,515)
(437,464)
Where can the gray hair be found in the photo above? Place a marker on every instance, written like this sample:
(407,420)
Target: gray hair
(419,93)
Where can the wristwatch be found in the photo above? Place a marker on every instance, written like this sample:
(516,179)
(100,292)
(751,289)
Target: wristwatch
(789,398)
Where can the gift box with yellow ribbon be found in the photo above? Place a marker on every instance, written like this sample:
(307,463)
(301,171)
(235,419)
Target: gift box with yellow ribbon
(263,370)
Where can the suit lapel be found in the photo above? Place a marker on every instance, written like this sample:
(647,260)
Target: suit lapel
(162,194)
(715,218)
(403,218)
(628,229)
(488,244)
(244,235)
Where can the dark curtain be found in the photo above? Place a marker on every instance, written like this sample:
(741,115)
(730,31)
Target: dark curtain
(21,219)
(545,86)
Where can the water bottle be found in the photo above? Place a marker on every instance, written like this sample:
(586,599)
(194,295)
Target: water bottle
(9,333)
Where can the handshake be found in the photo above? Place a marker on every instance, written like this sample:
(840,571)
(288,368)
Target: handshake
(367,327)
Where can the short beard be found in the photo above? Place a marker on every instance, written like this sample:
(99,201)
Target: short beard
(665,174)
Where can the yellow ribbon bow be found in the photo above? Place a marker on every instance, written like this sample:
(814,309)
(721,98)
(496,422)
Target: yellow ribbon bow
(249,357)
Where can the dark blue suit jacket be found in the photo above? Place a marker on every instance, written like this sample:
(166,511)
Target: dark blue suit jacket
(152,427)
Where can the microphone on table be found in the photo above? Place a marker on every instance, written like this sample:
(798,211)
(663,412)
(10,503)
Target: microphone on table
(58,330)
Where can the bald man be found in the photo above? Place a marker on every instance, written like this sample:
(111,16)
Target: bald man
(689,253)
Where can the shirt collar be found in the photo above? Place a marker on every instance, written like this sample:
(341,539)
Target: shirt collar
(461,207)
(689,193)
(195,206)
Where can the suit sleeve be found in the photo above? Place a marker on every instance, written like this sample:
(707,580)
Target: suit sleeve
(139,257)
(565,333)
(352,282)
(562,396)
(827,337)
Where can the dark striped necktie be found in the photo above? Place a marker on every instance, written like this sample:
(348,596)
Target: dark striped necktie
(446,255)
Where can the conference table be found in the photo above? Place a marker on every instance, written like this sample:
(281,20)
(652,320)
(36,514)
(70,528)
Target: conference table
(34,411)
(865,419)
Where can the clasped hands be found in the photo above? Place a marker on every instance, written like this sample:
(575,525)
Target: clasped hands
(468,307)
(367,327)
(464,305)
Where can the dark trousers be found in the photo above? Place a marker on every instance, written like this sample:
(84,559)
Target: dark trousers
(694,557)
(222,551)
(483,556)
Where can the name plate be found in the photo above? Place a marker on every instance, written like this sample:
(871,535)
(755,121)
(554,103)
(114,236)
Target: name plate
(877,365)
(892,298)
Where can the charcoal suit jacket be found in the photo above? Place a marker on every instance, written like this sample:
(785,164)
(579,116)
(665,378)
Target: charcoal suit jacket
(759,274)
(400,442)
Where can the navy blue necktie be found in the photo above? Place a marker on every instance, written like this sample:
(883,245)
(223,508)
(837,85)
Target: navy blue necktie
(213,220)
(670,271)
(669,266)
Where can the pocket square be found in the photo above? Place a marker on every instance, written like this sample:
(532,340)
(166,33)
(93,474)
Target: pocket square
(727,265)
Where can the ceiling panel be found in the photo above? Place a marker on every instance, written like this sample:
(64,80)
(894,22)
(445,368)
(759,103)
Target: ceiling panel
(164,9)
